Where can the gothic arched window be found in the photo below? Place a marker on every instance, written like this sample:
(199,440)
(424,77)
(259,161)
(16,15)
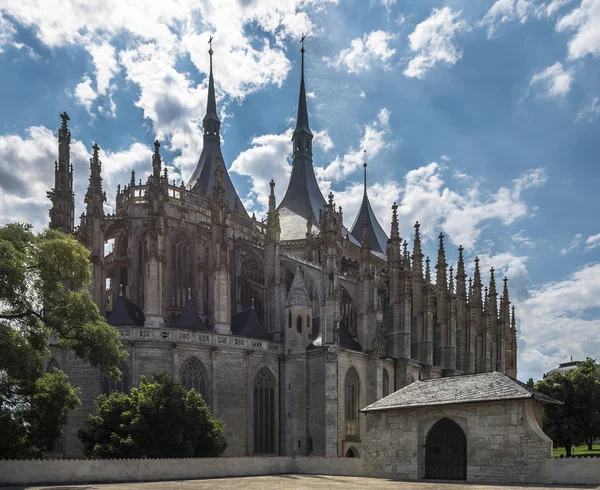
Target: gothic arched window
(140,266)
(264,412)
(386,383)
(299,324)
(252,280)
(351,387)
(180,270)
(193,375)
(348,315)
(123,384)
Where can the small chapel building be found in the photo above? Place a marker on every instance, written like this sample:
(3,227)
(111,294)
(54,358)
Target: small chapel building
(485,426)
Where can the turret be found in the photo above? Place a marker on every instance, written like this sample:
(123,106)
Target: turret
(62,212)
(298,314)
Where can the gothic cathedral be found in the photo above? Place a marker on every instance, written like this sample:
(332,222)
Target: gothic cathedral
(288,326)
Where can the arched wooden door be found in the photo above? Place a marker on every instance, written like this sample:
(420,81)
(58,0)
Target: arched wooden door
(446,452)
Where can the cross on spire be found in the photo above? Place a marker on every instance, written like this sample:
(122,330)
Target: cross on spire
(302,38)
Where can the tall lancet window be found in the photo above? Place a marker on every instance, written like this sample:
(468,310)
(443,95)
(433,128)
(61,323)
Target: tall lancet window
(140,268)
(193,375)
(347,313)
(180,270)
(351,387)
(386,383)
(264,412)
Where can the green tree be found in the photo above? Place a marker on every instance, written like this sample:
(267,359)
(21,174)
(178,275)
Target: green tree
(578,419)
(156,420)
(42,295)
(530,383)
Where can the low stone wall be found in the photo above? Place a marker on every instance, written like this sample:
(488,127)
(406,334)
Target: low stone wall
(72,471)
(572,471)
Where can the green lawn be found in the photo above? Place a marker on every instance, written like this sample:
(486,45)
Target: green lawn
(557,451)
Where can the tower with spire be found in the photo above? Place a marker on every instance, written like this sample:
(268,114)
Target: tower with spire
(62,212)
(202,179)
(303,192)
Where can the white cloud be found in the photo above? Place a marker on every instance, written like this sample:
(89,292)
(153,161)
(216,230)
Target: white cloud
(433,41)
(555,321)
(7,32)
(555,80)
(84,93)
(585,21)
(426,198)
(363,51)
(573,244)
(267,159)
(105,62)
(504,11)
(590,111)
(322,139)
(508,265)
(388,4)
(362,94)
(373,140)
(592,242)
(161,34)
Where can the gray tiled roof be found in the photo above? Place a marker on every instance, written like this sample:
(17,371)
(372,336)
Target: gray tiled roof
(468,388)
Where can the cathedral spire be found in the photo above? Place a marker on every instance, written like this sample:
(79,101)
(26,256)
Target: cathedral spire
(476,300)
(273,226)
(302,117)
(427,272)
(441,277)
(62,212)
(202,179)
(406,257)
(303,191)
(417,255)
(451,280)
(366,217)
(211,104)
(95,197)
(460,275)
(493,294)
(156,162)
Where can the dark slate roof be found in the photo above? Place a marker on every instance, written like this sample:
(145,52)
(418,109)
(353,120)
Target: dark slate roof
(125,314)
(468,388)
(302,192)
(203,178)
(247,324)
(189,319)
(377,237)
(565,367)
(347,341)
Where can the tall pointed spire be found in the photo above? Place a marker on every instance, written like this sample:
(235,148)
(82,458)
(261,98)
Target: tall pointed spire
(95,196)
(441,276)
(461,275)
(303,191)
(477,286)
(156,162)
(417,256)
(211,105)
(273,225)
(427,272)
(451,280)
(365,172)
(302,118)
(406,257)
(62,213)
(202,179)
(493,294)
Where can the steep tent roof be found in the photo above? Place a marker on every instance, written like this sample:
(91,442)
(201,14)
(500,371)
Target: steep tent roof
(347,341)
(189,319)
(467,388)
(247,324)
(125,314)
(377,237)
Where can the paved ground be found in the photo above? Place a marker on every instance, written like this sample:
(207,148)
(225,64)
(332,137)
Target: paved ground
(295,482)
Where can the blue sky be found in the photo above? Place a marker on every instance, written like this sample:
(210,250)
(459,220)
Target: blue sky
(480,118)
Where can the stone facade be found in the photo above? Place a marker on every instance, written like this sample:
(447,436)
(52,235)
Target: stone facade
(505,442)
(339,318)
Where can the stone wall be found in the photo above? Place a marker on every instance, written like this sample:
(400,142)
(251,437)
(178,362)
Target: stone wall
(504,441)
(580,471)
(231,373)
(31,472)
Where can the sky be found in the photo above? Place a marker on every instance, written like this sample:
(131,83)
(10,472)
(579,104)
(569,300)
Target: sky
(480,118)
